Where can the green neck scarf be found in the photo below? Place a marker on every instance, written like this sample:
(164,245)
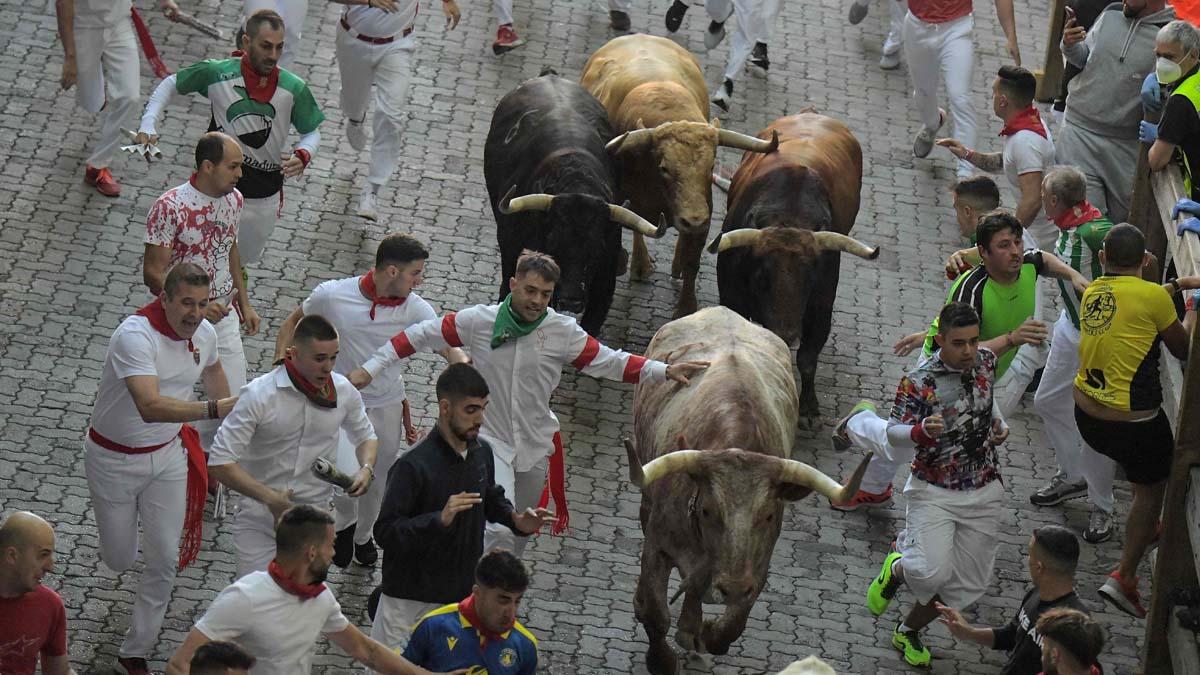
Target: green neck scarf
(509,326)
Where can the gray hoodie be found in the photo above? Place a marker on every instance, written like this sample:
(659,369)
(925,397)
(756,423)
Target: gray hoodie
(1117,55)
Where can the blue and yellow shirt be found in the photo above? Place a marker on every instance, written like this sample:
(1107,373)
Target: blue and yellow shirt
(443,640)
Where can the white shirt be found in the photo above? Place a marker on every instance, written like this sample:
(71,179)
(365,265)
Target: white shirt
(198,229)
(377,23)
(101,13)
(1026,152)
(278,628)
(343,304)
(274,432)
(521,373)
(136,348)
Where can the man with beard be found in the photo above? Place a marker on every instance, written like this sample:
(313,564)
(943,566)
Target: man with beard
(439,495)
(255,101)
(1071,643)
(283,422)
(277,614)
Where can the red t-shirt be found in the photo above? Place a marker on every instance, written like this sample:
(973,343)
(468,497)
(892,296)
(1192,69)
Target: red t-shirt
(31,625)
(939,11)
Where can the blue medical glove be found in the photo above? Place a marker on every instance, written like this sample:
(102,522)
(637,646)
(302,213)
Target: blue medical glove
(1190,225)
(1147,132)
(1152,102)
(1185,206)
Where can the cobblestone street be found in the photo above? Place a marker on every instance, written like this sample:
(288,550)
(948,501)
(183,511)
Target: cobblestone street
(70,271)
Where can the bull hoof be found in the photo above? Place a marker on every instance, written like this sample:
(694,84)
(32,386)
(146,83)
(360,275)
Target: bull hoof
(808,422)
(661,659)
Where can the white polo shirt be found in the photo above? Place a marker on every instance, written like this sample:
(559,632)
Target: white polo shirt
(274,432)
(101,13)
(136,348)
(377,23)
(343,304)
(1028,152)
(278,628)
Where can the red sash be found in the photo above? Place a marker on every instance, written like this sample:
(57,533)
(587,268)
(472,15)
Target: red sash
(556,487)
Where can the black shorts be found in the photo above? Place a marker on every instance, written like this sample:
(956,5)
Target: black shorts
(1143,449)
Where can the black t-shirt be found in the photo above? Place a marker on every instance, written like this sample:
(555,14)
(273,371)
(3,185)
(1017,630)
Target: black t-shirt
(1019,637)
(1180,126)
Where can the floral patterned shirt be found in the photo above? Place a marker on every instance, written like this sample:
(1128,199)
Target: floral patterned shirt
(963,457)
(198,229)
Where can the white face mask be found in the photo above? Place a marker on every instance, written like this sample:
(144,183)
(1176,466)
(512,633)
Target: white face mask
(1167,71)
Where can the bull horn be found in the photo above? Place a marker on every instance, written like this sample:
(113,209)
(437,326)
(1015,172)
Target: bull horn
(614,146)
(733,139)
(533,202)
(673,462)
(747,236)
(803,475)
(833,241)
(631,220)
(635,465)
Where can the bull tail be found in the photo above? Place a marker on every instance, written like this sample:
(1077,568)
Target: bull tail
(547,71)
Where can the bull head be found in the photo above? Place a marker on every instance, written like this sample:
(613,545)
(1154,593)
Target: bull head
(617,214)
(825,241)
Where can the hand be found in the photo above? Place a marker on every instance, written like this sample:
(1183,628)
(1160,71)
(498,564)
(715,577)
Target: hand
(282,501)
(1073,33)
(1147,132)
(955,147)
(388,6)
(292,167)
(681,371)
(1185,206)
(215,312)
(908,343)
(225,406)
(933,426)
(170,10)
(362,481)
(955,264)
(1152,103)
(1014,51)
(1188,225)
(250,319)
(70,72)
(360,378)
(1079,282)
(411,434)
(999,431)
(533,520)
(458,503)
(1032,332)
(144,138)
(953,621)
(450,9)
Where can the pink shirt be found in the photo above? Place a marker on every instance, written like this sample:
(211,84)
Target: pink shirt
(939,11)
(198,229)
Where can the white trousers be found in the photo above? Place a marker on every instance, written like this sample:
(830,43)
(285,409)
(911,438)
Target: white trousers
(1055,402)
(293,12)
(233,362)
(524,490)
(259,217)
(109,84)
(394,621)
(945,51)
(894,41)
(149,489)
(503,9)
(389,68)
(254,535)
(363,511)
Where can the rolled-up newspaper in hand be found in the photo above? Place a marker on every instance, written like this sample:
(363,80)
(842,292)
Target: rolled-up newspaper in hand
(329,473)
(206,28)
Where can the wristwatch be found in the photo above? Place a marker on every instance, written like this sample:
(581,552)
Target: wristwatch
(1174,284)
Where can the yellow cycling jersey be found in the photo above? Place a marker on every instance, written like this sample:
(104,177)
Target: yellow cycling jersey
(1120,321)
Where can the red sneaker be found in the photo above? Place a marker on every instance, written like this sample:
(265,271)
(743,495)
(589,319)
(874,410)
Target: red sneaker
(134,665)
(103,181)
(864,498)
(506,39)
(1123,595)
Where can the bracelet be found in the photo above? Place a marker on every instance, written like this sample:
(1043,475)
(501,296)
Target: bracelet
(213,411)
(1175,285)
(1008,339)
(970,154)
(370,469)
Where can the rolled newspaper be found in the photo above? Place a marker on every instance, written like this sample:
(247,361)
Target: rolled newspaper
(206,28)
(326,471)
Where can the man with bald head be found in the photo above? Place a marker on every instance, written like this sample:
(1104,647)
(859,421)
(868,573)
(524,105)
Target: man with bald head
(197,222)
(33,621)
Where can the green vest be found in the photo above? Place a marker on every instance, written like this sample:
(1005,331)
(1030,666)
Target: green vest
(1189,89)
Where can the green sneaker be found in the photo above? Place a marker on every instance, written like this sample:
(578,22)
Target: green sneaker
(909,643)
(841,441)
(883,588)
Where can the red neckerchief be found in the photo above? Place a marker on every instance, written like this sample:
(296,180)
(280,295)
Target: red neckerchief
(259,88)
(1027,120)
(302,591)
(1081,213)
(157,316)
(324,397)
(467,609)
(366,286)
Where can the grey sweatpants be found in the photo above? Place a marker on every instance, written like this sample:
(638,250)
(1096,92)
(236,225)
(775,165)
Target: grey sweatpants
(1107,162)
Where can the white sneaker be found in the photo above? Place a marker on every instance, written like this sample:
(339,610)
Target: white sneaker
(923,142)
(890,61)
(356,133)
(366,203)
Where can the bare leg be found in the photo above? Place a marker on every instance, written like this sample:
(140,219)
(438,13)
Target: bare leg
(1141,526)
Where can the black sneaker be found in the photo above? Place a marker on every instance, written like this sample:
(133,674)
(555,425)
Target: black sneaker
(343,547)
(724,93)
(373,603)
(675,15)
(619,20)
(365,554)
(758,57)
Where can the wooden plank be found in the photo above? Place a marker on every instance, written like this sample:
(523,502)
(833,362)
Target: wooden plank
(1050,83)
(1185,655)
(1193,517)
(1185,251)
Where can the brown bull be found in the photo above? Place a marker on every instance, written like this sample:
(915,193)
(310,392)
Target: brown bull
(786,226)
(657,102)
(715,512)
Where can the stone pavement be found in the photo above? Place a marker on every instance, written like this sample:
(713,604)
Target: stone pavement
(69,272)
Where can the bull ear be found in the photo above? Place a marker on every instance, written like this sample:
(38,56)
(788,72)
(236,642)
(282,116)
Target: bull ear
(640,124)
(792,493)
(716,122)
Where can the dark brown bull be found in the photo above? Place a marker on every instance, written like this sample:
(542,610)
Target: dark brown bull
(715,512)
(785,229)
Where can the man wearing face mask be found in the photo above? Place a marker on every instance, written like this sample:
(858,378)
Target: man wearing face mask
(1177,48)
